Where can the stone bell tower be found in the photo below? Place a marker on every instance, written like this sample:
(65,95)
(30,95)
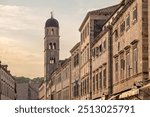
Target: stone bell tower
(51,47)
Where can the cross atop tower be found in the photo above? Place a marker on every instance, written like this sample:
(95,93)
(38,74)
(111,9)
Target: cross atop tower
(51,14)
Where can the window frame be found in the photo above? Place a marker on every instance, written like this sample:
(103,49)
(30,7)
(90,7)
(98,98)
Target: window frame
(128,64)
(128,22)
(116,70)
(135,16)
(122,27)
(135,59)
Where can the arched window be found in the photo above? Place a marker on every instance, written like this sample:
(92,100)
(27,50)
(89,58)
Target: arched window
(47,32)
(52,32)
(50,46)
(52,60)
(54,46)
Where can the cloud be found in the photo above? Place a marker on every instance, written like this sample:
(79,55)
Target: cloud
(21,61)
(19,47)
(22,30)
(17,18)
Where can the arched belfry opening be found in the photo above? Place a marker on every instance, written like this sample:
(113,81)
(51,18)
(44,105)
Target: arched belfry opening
(52,32)
(54,45)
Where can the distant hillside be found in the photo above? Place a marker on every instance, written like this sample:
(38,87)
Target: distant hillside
(23,79)
(38,79)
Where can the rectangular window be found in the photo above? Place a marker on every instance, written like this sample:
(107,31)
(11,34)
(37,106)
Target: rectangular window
(83,36)
(52,97)
(67,94)
(81,89)
(76,60)
(128,21)
(104,45)
(116,70)
(128,65)
(100,48)
(135,14)
(97,51)
(122,27)
(85,32)
(104,78)
(116,33)
(94,84)
(52,81)
(97,82)
(87,53)
(87,85)
(74,91)
(83,57)
(58,80)
(88,28)
(93,52)
(100,80)
(122,65)
(77,90)
(135,60)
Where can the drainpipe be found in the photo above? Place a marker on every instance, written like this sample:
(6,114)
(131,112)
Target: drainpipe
(90,76)
(70,80)
(0,85)
(110,61)
(0,82)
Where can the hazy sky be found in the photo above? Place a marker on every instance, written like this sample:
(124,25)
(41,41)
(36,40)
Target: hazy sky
(22,30)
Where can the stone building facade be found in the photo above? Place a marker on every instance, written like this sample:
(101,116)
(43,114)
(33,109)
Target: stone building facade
(59,86)
(41,91)
(27,91)
(75,72)
(65,77)
(7,84)
(149,33)
(130,49)
(112,59)
(100,67)
(90,29)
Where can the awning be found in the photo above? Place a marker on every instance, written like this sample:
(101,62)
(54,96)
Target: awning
(146,86)
(102,98)
(130,93)
(114,97)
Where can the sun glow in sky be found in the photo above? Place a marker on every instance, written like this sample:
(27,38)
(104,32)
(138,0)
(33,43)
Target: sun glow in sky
(22,30)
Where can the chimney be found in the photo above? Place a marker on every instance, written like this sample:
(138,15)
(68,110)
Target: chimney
(5,66)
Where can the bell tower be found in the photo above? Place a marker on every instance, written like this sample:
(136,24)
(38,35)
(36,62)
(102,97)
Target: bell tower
(51,47)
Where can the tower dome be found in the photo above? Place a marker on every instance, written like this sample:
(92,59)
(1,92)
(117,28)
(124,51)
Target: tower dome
(52,22)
